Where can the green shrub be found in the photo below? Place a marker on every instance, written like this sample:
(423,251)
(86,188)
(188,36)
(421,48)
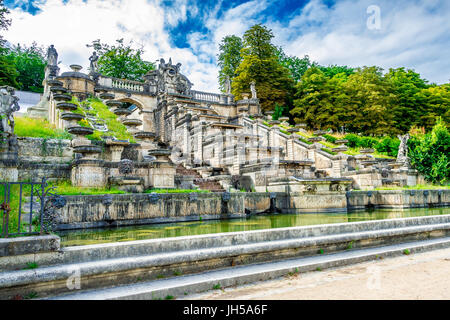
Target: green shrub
(367,142)
(353,140)
(388,146)
(330,138)
(430,153)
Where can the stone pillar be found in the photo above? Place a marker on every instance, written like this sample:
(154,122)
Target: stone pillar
(337,167)
(290,147)
(8,166)
(88,173)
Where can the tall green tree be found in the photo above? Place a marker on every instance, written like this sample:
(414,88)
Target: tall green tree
(30,64)
(121,60)
(321,102)
(436,100)
(332,70)
(260,64)
(8,72)
(372,100)
(294,64)
(229,58)
(410,104)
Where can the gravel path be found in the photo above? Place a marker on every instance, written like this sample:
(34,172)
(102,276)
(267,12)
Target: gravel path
(417,276)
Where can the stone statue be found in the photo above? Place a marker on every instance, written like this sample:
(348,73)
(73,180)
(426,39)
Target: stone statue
(162,63)
(227,85)
(94,62)
(402,156)
(178,67)
(8,105)
(253,89)
(52,56)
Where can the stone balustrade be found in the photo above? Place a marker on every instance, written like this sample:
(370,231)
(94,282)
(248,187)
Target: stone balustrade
(206,96)
(121,84)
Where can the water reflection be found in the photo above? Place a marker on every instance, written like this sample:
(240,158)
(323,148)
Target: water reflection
(94,236)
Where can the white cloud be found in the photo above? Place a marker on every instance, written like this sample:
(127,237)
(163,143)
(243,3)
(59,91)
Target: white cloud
(413,33)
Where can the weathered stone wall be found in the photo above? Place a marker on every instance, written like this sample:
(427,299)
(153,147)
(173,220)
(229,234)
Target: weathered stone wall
(130,209)
(39,158)
(398,199)
(45,150)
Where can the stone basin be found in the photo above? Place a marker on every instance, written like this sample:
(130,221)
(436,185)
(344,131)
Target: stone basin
(111,142)
(300,125)
(80,131)
(284,119)
(160,154)
(122,112)
(293,130)
(62,97)
(132,122)
(87,149)
(106,96)
(320,132)
(70,116)
(67,106)
(341,141)
(114,103)
(58,89)
(100,89)
(76,67)
(54,83)
(340,149)
(368,162)
(315,139)
(366,151)
(145,135)
(274,122)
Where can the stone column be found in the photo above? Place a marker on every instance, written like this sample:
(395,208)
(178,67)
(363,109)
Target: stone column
(275,143)
(290,147)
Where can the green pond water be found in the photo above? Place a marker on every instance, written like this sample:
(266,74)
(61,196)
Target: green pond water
(178,229)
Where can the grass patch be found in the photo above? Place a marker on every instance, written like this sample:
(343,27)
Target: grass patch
(329,151)
(100,110)
(406,252)
(65,188)
(176,191)
(418,187)
(13,224)
(217,286)
(38,128)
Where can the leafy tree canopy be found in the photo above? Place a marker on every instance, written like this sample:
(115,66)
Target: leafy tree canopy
(8,72)
(121,60)
(296,66)
(229,58)
(430,153)
(30,64)
(260,64)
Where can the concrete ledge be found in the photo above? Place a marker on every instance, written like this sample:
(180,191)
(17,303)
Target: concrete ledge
(28,245)
(121,263)
(197,283)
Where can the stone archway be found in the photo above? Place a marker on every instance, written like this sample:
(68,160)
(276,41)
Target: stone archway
(142,112)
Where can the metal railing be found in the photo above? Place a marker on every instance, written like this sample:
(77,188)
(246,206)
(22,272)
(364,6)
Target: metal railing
(32,222)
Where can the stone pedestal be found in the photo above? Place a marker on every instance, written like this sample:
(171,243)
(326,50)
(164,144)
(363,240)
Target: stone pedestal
(128,184)
(8,167)
(88,174)
(116,148)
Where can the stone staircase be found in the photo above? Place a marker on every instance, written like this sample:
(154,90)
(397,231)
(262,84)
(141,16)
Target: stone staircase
(202,183)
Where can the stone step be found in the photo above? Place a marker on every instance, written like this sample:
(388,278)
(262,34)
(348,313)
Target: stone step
(101,266)
(233,276)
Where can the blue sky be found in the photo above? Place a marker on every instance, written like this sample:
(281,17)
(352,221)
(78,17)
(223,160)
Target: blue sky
(411,33)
